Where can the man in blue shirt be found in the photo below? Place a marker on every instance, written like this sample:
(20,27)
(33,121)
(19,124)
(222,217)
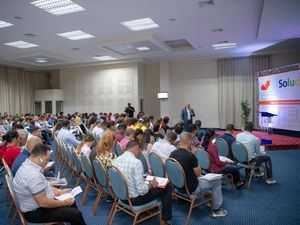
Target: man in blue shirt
(31,143)
(66,136)
(228,137)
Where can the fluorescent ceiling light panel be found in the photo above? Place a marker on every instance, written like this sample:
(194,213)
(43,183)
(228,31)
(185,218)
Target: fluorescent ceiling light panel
(41,60)
(224,45)
(58,7)
(104,58)
(21,44)
(76,35)
(5,24)
(143,48)
(140,24)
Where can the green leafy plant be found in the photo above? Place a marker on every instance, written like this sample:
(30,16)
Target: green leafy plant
(245,111)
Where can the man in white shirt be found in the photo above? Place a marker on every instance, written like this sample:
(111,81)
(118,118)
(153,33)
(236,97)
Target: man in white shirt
(164,147)
(66,136)
(141,193)
(252,145)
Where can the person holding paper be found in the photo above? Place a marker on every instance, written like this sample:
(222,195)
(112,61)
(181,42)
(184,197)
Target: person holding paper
(218,166)
(141,193)
(37,197)
(185,155)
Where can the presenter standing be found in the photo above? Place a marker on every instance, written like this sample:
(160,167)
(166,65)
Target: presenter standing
(187,115)
(129,110)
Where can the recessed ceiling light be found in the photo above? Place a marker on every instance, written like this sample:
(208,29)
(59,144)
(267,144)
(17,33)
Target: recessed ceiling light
(41,60)
(206,3)
(5,24)
(217,30)
(18,17)
(143,48)
(224,45)
(76,35)
(172,19)
(104,58)
(21,44)
(140,24)
(58,7)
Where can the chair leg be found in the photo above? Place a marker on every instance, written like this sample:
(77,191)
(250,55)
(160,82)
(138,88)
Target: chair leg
(251,175)
(14,218)
(97,201)
(135,218)
(190,212)
(86,190)
(71,177)
(78,180)
(9,210)
(112,213)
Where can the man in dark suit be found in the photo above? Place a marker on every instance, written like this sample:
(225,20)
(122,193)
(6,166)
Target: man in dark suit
(187,115)
(129,110)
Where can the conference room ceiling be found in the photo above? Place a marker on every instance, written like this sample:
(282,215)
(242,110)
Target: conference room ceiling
(187,29)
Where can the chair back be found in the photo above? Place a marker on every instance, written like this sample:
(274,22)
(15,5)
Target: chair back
(76,162)
(176,174)
(14,198)
(118,149)
(157,165)
(100,173)
(239,152)
(87,167)
(118,183)
(203,158)
(222,146)
(7,169)
(144,162)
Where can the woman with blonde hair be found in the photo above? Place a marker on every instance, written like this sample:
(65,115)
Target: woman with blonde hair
(86,145)
(105,147)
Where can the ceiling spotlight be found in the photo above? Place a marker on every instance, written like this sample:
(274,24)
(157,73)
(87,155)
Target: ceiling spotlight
(140,24)
(21,44)
(143,48)
(5,24)
(104,58)
(41,60)
(76,35)
(225,44)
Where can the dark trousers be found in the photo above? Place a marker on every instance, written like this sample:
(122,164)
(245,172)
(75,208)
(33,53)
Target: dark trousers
(166,199)
(268,164)
(61,214)
(233,171)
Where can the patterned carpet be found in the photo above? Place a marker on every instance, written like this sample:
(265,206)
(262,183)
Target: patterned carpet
(262,205)
(278,141)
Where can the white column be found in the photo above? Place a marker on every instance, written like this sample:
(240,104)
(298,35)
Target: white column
(53,106)
(165,87)
(43,106)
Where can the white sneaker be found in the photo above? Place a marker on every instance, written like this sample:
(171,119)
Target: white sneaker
(271,181)
(219,213)
(259,174)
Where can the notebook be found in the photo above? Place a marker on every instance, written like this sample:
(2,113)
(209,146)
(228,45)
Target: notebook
(162,182)
(72,194)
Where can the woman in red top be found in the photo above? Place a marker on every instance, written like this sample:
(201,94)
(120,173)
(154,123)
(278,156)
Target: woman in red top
(216,165)
(12,148)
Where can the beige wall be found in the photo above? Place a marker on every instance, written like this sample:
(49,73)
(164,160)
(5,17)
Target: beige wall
(151,87)
(195,82)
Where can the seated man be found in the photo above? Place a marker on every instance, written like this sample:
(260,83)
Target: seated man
(66,136)
(164,147)
(31,143)
(36,195)
(141,193)
(252,145)
(192,128)
(195,184)
(228,137)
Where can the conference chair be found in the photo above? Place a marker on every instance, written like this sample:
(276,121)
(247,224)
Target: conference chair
(118,149)
(88,176)
(77,168)
(240,154)
(204,162)
(222,146)
(157,165)
(122,200)
(144,162)
(177,177)
(12,193)
(102,183)
(7,199)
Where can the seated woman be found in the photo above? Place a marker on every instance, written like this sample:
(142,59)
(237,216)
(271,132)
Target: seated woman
(86,145)
(146,146)
(105,147)
(11,143)
(216,165)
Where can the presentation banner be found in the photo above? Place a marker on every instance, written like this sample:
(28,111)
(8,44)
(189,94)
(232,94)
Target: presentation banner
(279,93)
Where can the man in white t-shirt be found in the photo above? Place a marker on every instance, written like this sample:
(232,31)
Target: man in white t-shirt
(164,147)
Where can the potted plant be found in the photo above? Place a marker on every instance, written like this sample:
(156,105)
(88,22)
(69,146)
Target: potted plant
(245,105)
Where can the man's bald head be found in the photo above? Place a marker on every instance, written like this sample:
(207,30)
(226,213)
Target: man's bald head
(32,142)
(186,139)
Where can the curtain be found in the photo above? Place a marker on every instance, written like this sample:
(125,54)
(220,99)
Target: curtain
(17,89)
(237,82)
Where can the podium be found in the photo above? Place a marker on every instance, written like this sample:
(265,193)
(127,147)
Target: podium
(265,122)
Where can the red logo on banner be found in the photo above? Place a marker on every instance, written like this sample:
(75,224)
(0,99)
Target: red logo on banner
(265,86)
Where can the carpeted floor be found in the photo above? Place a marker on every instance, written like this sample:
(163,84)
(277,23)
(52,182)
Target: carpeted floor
(263,205)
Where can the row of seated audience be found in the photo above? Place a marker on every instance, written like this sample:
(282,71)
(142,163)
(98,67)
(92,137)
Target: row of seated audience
(138,136)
